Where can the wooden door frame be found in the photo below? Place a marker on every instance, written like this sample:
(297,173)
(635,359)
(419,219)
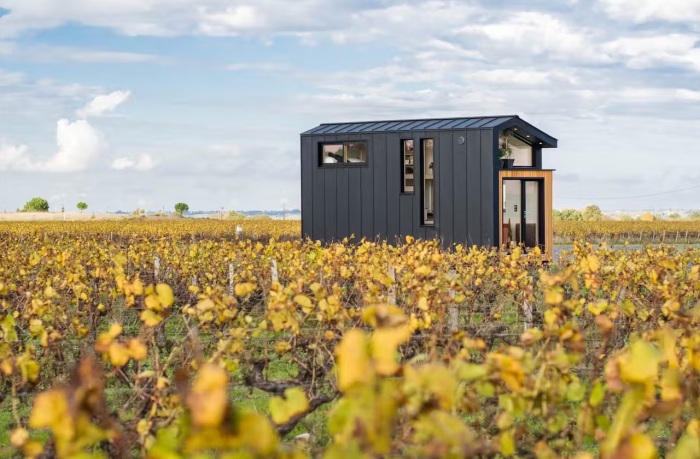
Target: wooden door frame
(545,176)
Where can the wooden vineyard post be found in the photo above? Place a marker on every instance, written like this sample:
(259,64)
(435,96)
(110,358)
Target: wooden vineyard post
(453,312)
(156,268)
(273,271)
(391,298)
(527,310)
(230,279)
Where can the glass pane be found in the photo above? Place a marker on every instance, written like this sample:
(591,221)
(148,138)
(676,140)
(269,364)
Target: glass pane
(532,214)
(332,153)
(408,155)
(521,152)
(512,212)
(428,183)
(356,152)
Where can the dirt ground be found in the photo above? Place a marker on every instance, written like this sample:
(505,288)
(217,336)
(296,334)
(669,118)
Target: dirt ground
(59,216)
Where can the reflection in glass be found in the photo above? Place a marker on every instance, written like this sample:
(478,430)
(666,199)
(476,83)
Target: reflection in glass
(428,183)
(532,196)
(407,149)
(512,213)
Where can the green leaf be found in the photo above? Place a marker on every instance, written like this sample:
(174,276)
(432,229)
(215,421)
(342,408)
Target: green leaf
(293,404)
(471,371)
(597,394)
(507,444)
(576,391)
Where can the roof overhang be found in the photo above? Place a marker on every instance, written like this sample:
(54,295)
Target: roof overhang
(528,132)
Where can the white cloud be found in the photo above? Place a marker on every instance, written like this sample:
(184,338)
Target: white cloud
(530,32)
(144,163)
(79,144)
(641,52)
(104,104)
(14,157)
(260,66)
(649,10)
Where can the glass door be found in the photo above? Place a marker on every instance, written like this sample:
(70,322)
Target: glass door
(531,211)
(521,214)
(512,212)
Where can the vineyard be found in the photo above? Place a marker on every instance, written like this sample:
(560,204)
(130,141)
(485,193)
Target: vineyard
(634,232)
(181,339)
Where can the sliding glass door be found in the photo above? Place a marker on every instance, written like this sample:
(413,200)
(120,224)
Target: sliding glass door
(522,217)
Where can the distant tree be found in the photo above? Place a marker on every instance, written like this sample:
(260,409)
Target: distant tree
(181,208)
(260,217)
(233,215)
(82,206)
(674,216)
(694,215)
(566,215)
(592,213)
(647,217)
(36,205)
(625,218)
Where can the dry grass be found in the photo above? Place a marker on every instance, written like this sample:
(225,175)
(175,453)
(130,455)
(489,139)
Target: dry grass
(59,216)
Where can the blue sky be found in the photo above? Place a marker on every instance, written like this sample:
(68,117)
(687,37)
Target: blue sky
(144,103)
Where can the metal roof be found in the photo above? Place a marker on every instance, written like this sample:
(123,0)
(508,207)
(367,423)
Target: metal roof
(433,124)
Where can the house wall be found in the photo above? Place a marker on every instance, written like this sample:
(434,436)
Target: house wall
(367,201)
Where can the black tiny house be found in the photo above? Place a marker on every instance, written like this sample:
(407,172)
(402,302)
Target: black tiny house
(428,178)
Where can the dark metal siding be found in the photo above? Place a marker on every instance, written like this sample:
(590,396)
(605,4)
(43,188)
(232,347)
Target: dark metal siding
(342,212)
(394,158)
(473,144)
(367,188)
(445,188)
(367,201)
(306,186)
(380,180)
(488,181)
(459,182)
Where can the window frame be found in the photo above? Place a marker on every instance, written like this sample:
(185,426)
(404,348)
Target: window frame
(364,163)
(422,194)
(532,152)
(403,167)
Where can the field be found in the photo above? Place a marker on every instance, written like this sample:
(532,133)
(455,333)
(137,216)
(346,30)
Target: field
(179,339)
(634,232)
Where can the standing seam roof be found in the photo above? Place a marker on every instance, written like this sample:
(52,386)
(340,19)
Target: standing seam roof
(434,124)
(409,125)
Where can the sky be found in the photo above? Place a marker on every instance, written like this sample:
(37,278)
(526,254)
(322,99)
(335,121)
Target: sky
(129,104)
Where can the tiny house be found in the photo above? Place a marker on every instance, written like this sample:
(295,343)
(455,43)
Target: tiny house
(430,178)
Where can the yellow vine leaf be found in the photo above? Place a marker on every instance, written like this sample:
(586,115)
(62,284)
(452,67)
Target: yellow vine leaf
(294,403)
(166,298)
(50,410)
(118,354)
(642,447)
(244,289)
(385,343)
(150,318)
(207,400)
(137,349)
(258,434)
(353,360)
(641,363)
(305,303)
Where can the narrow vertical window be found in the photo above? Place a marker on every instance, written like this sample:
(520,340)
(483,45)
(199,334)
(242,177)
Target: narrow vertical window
(428,182)
(407,166)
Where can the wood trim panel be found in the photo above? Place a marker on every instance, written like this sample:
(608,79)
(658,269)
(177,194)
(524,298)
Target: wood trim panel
(546,176)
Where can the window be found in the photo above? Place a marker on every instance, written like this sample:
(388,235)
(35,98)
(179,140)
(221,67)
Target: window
(428,182)
(407,166)
(344,153)
(521,152)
